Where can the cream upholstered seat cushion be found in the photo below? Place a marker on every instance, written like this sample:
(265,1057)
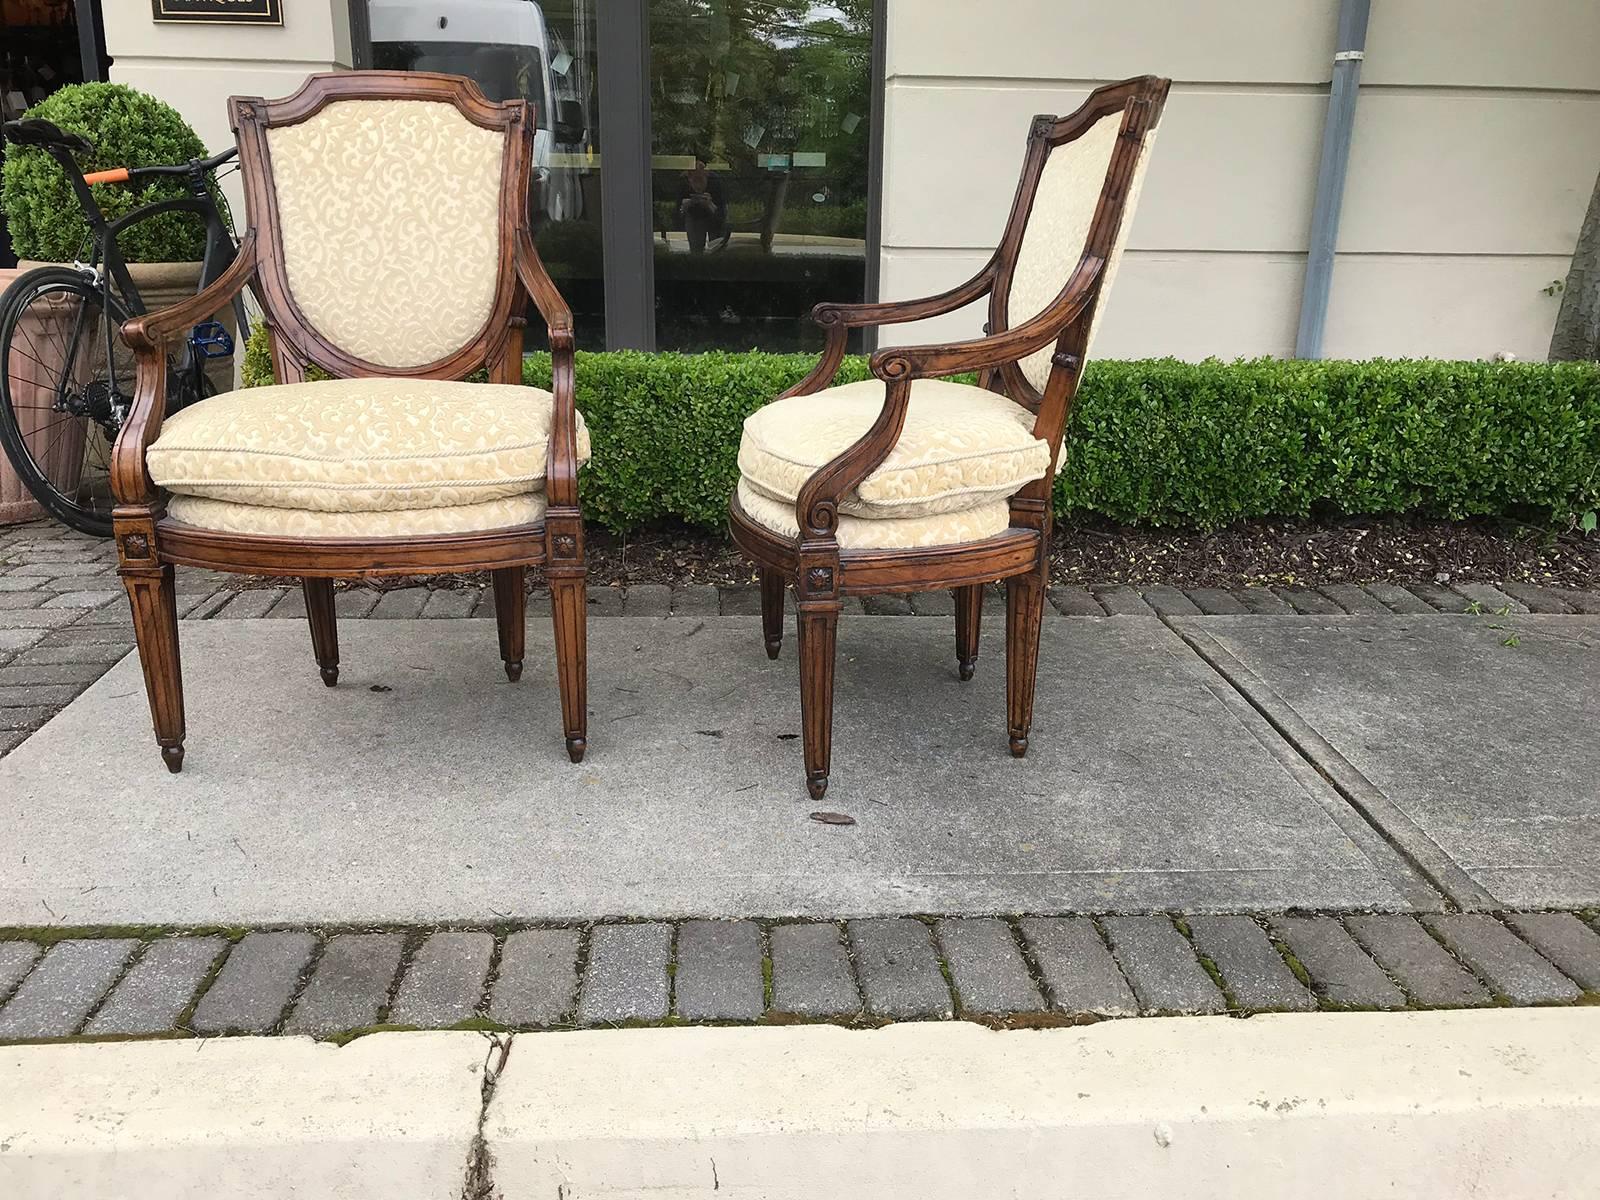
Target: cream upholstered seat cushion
(201,511)
(961,447)
(982,520)
(360,445)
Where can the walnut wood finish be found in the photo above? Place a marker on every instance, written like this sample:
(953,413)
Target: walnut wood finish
(511,617)
(324,627)
(773,585)
(149,542)
(813,563)
(969,621)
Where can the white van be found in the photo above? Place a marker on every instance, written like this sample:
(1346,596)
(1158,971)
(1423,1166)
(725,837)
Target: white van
(508,50)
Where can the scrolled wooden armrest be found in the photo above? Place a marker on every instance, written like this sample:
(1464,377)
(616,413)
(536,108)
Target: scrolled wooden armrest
(838,319)
(561,470)
(980,354)
(149,336)
(817,507)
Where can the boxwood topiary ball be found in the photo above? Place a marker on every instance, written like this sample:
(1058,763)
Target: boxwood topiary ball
(127,128)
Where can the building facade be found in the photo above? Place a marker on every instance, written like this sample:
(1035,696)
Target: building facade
(760,157)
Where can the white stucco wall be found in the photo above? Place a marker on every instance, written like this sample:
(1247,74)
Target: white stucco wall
(1476,145)
(196,67)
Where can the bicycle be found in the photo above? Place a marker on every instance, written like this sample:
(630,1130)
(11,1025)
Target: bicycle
(67,382)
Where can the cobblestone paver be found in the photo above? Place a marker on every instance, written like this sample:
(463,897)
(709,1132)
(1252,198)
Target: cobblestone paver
(1077,968)
(255,984)
(16,960)
(444,982)
(350,985)
(1161,966)
(1356,600)
(627,975)
(987,968)
(1340,971)
(811,974)
(156,989)
(1074,600)
(1431,974)
(1255,973)
(718,976)
(538,979)
(1397,599)
(1513,968)
(899,968)
(64,987)
(1564,940)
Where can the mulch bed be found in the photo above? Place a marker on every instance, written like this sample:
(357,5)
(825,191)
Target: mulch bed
(1299,553)
(1303,553)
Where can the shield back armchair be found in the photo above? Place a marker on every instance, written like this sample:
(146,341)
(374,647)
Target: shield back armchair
(388,247)
(909,482)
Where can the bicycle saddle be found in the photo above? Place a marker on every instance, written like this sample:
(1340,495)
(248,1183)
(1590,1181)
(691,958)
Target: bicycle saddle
(32,131)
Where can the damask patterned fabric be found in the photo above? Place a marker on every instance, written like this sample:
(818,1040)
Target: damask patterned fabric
(360,445)
(526,509)
(390,213)
(983,520)
(1058,229)
(961,446)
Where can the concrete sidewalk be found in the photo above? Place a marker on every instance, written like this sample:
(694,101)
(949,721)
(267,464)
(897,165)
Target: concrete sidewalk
(1204,764)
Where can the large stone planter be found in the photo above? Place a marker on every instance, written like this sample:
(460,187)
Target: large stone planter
(160,285)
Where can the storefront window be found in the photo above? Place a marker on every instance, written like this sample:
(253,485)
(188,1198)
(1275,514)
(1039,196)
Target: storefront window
(543,53)
(760,123)
(760,120)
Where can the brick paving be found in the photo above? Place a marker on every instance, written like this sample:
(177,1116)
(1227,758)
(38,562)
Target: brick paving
(1026,971)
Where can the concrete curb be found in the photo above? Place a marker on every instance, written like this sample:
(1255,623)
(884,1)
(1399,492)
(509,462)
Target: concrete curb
(1498,1103)
(241,1117)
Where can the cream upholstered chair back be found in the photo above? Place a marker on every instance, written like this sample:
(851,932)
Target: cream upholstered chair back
(390,216)
(1080,185)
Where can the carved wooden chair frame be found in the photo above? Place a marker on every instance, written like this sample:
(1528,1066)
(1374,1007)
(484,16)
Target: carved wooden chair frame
(821,573)
(149,543)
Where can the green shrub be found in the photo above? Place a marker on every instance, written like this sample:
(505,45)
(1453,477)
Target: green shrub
(1155,441)
(127,129)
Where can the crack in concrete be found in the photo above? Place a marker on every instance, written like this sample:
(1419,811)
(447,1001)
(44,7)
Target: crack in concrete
(479,1181)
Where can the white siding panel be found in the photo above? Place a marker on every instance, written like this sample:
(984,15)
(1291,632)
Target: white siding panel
(1189,306)
(1417,306)
(1455,173)
(1253,41)
(1230,170)
(1485,43)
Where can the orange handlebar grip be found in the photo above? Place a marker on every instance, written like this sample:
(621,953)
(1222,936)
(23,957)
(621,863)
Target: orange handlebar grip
(115,175)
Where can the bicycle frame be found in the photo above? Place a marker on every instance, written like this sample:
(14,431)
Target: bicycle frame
(106,259)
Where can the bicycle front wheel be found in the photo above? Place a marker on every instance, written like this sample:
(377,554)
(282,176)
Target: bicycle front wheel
(65,389)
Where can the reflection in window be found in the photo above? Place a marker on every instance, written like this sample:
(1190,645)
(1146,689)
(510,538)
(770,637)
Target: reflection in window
(543,53)
(759,116)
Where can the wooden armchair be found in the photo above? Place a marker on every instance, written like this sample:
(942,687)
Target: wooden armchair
(908,482)
(387,244)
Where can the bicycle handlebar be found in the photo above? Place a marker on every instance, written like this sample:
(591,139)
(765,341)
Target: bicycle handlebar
(195,166)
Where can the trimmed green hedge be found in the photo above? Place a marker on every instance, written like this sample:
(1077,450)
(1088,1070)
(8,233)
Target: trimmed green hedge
(1156,441)
(127,128)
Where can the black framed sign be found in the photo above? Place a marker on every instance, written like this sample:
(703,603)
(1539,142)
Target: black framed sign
(219,12)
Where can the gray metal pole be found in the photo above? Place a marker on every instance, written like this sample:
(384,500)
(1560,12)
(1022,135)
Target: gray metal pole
(623,40)
(1336,135)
